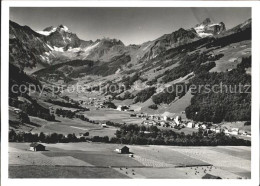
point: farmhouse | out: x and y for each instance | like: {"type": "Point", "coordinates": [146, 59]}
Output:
{"type": "Point", "coordinates": [225, 130]}
{"type": "Point", "coordinates": [37, 147]}
{"type": "Point", "coordinates": [165, 118]}
{"type": "Point", "coordinates": [122, 108]}
{"type": "Point", "coordinates": [197, 126]}
{"type": "Point", "coordinates": [119, 108]}
{"type": "Point", "coordinates": [218, 130]}
{"type": "Point", "coordinates": [123, 150]}
{"type": "Point", "coordinates": [104, 125]}
{"type": "Point", "coordinates": [234, 131]}
{"type": "Point", "coordinates": [203, 126]}
{"type": "Point", "coordinates": [190, 125]}
{"type": "Point", "coordinates": [177, 120]}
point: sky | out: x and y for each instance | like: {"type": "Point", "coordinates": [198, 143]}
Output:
{"type": "Point", "coordinates": [130, 25]}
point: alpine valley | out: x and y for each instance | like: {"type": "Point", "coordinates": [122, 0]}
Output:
{"type": "Point", "coordinates": [204, 54]}
{"type": "Point", "coordinates": [191, 87]}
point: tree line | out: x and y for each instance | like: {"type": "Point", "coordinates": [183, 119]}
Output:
{"type": "Point", "coordinates": [151, 135]}
{"type": "Point", "coordinates": [169, 94]}
{"type": "Point", "coordinates": [139, 135]}
{"type": "Point", "coordinates": [44, 138]}
{"type": "Point", "coordinates": [64, 104]}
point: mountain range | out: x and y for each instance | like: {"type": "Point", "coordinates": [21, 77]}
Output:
{"type": "Point", "coordinates": [206, 51]}
{"type": "Point", "coordinates": [58, 44]}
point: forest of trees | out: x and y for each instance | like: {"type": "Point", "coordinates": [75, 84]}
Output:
{"type": "Point", "coordinates": [65, 113]}
{"type": "Point", "coordinates": [226, 102]}
{"type": "Point", "coordinates": [109, 104]}
{"type": "Point", "coordinates": [191, 63]}
{"type": "Point", "coordinates": [32, 109]}
{"type": "Point", "coordinates": [64, 104]}
{"type": "Point", "coordinates": [153, 106]}
{"type": "Point", "coordinates": [144, 94]}
{"type": "Point", "coordinates": [169, 94]}
{"type": "Point", "coordinates": [134, 134]}
{"type": "Point", "coordinates": [128, 81]}
{"type": "Point", "coordinates": [44, 138]}
{"type": "Point", "coordinates": [73, 114]}
{"type": "Point", "coordinates": [127, 95]}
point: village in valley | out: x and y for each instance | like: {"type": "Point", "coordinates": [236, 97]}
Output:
{"type": "Point", "coordinates": [168, 120]}
{"type": "Point", "coordinates": [140, 158]}
{"type": "Point", "coordinates": [142, 112]}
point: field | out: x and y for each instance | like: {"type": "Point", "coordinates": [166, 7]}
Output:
{"type": "Point", "coordinates": [112, 115]}
{"type": "Point", "coordinates": [62, 126]}
{"type": "Point", "coordinates": [98, 160]}
{"type": "Point", "coordinates": [233, 53]}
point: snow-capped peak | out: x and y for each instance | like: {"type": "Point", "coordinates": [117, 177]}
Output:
{"type": "Point", "coordinates": [207, 28]}
{"type": "Point", "coordinates": [47, 31]}
{"type": "Point", "coordinates": [63, 28]}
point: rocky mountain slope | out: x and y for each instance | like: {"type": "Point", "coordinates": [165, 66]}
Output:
{"type": "Point", "coordinates": [185, 56]}
{"type": "Point", "coordinates": [58, 44]}
{"type": "Point", "coordinates": [207, 28]}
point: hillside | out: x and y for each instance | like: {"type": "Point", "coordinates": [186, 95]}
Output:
{"type": "Point", "coordinates": [208, 53]}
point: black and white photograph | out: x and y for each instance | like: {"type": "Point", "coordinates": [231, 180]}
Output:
{"type": "Point", "coordinates": [130, 92]}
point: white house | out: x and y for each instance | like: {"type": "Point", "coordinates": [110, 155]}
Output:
{"type": "Point", "coordinates": [203, 126]}
{"type": "Point", "coordinates": [190, 125]}
{"type": "Point", "coordinates": [197, 126]}
{"type": "Point", "coordinates": [165, 118]}
{"type": "Point", "coordinates": [226, 131]}
{"type": "Point", "coordinates": [104, 125]}
{"type": "Point", "coordinates": [234, 131]}
{"type": "Point", "coordinates": [177, 120]}
{"type": "Point", "coordinates": [119, 108]}
{"type": "Point", "coordinates": [218, 130]}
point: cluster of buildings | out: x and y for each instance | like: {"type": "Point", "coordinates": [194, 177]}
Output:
{"type": "Point", "coordinates": [178, 123]}
{"type": "Point", "coordinates": [157, 120]}
{"type": "Point", "coordinates": [98, 103]}
{"type": "Point", "coordinates": [124, 108]}
{"type": "Point", "coordinates": [236, 131]}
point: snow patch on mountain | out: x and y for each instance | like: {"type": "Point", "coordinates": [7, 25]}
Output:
{"type": "Point", "coordinates": [91, 47]}
{"type": "Point", "coordinates": [74, 49]}
{"type": "Point", "coordinates": [46, 33]}
{"type": "Point", "coordinates": [146, 47]}
{"type": "Point", "coordinates": [208, 29]}
{"type": "Point", "coordinates": [201, 31]}
{"type": "Point", "coordinates": [65, 28]}
{"type": "Point", "coordinates": [50, 47]}
{"type": "Point", "coordinates": [58, 49]}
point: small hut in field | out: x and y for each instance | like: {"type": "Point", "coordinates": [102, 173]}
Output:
{"type": "Point", "coordinates": [123, 150]}
{"type": "Point", "coordinates": [37, 147]}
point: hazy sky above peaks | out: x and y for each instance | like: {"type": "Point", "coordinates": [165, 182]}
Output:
{"type": "Point", "coordinates": [130, 25]}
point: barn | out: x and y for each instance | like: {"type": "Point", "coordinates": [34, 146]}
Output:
{"type": "Point", "coordinates": [37, 147]}
{"type": "Point", "coordinates": [123, 150]}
